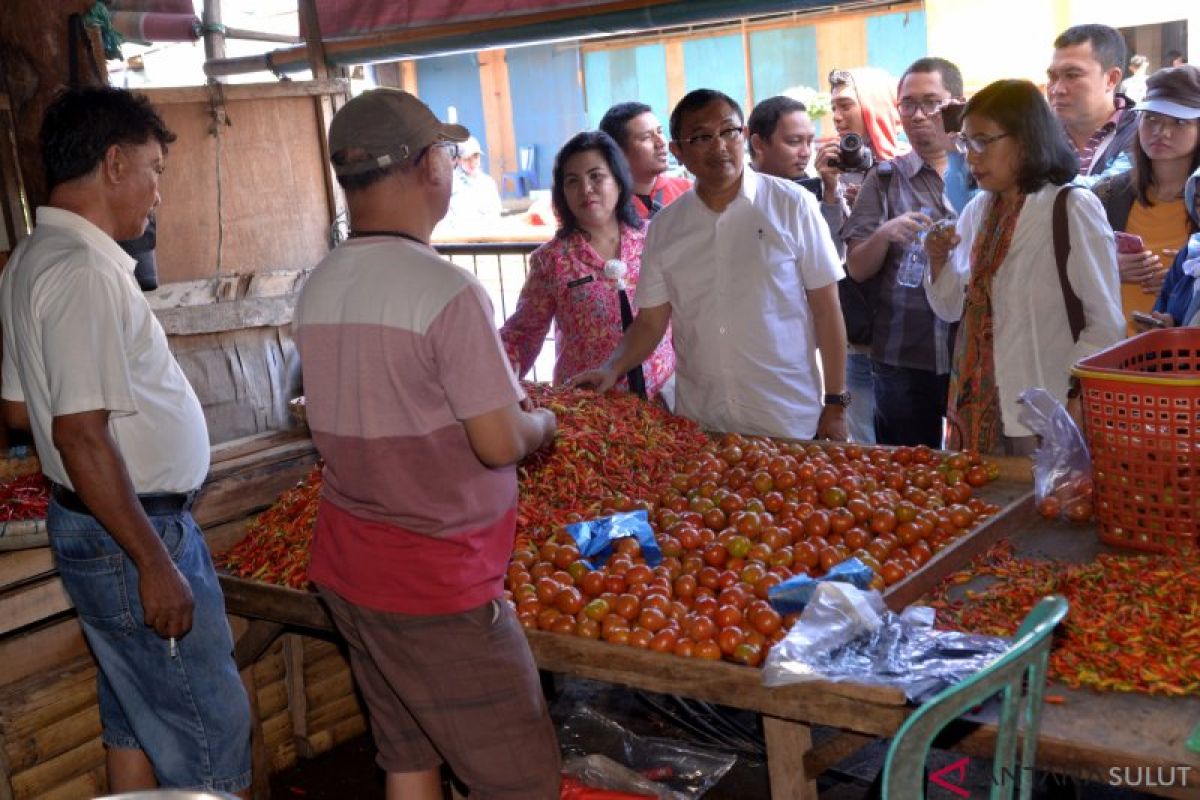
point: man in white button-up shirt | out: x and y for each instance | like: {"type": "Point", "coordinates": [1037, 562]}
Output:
{"type": "Point", "coordinates": [745, 269]}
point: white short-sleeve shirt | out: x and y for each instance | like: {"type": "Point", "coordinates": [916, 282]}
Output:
{"type": "Point", "coordinates": [743, 331]}
{"type": "Point", "coordinates": [80, 336]}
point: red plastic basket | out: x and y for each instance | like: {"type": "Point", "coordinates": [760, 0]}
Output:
{"type": "Point", "coordinates": [1141, 412]}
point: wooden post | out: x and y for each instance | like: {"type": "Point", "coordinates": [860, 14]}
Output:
{"type": "Point", "coordinates": [325, 105]}
{"type": "Point", "coordinates": [214, 36]}
{"type": "Point", "coordinates": [34, 62]}
{"type": "Point", "coordinates": [787, 744]}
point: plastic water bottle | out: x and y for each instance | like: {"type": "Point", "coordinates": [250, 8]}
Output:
{"type": "Point", "coordinates": [914, 260]}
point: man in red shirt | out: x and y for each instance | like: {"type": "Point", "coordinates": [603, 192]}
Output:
{"type": "Point", "coordinates": [418, 416]}
{"type": "Point", "coordinates": [640, 136]}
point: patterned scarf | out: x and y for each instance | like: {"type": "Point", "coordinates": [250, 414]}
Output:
{"type": "Point", "coordinates": [974, 407]}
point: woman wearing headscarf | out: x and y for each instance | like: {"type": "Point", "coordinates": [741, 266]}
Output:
{"type": "Point", "coordinates": [864, 103]}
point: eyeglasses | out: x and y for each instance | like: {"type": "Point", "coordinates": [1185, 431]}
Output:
{"type": "Point", "coordinates": [451, 149]}
{"type": "Point", "coordinates": [976, 144]}
{"type": "Point", "coordinates": [726, 135]}
{"type": "Point", "coordinates": [908, 107]}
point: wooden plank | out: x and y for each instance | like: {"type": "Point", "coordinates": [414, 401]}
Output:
{"type": "Point", "coordinates": [1016, 517]}
{"type": "Point", "coordinates": [787, 744]}
{"type": "Point", "coordinates": [234, 91]}
{"type": "Point", "coordinates": [293, 659]}
{"type": "Point", "coordinates": [497, 112]}
{"type": "Point", "coordinates": [259, 636]}
{"type": "Point", "coordinates": [248, 445]}
{"type": "Point", "coordinates": [323, 106]}
{"type": "Point", "coordinates": [676, 75]}
{"type": "Point", "coordinates": [32, 603]}
{"type": "Point", "coordinates": [250, 312]}
{"type": "Point", "coordinates": [260, 786]}
{"type": "Point", "coordinates": [232, 497]}
{"type": "Point", "coordinates": [22, 565]}
{"type": "Point", "coordinates": [32, 652]}
{"type": "Point", "coordinates": [43, 777]}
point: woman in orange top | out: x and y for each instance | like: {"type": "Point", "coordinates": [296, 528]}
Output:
{"type": "Point", "coordinates": [1148, 200]}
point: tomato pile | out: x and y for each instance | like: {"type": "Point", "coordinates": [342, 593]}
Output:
{"type": "Point", "coordinates": [733, 517]}
{"type": "Point", "coordinates": [1133, 625]}
{"type": "Point", "coordinates": [27, 497]}
{"type": "Point", "coordinates": [739, 517]}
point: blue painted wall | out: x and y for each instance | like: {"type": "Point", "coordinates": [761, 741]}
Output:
{"type": "Point", "coordinates": [716, 62]}
{"type": "Point", "coordinates": [448, 81]}
{"type": "Point", "coordinates": [783, 58]}
{"type": "Point", "coordinates": [546, 100]}
{"type": "Point", "coordinates": [896, 40]}
{"type": "Point", "coordinates": [619, 75]}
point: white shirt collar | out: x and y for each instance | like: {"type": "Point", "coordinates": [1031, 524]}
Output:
{"type": "Point", "coordinates": [61, 218]}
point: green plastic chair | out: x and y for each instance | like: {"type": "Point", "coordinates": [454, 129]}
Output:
{"type": "Point", "coordinates": [1020, 675]}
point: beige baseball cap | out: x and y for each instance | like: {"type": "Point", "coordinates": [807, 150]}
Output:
{"type": "Point", "coordinates": [388, 126]}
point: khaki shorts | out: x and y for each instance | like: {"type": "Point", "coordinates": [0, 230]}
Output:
{"type": "Point", "coordinates": [460, 688]}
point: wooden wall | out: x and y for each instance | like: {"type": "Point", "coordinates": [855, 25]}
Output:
{"type": "Point", "coordinates": [253, 197]}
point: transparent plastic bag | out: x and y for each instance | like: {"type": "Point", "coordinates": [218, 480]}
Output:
{"type": "Point", "coordinates": [675, 770]}
{"type": "Point", "coordinates": [1062, 466]}
{"type": "Point", "coordinates": [847, 634]}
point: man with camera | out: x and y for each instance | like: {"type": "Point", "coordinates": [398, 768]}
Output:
{"type": "Point", "coordinates": [899, 200]}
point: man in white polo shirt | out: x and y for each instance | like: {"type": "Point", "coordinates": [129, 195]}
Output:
{"type": "Point", "coordinates": [744, 269]}
{"type": "Point", "coordinates": [121, 435]}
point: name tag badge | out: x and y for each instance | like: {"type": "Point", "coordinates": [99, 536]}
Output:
{"type": "Point", "coordinates": [575, 284]}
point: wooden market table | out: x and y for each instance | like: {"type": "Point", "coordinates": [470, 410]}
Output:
{"type": "Point", "coordinates": [1087, 736]}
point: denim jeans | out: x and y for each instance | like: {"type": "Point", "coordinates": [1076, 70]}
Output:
{"type": "Point", "coordinates": [909, 405]}
{"type": "Point", "coordinates": [186, 709]}
{"type": "Point", "coordinates": [861, 414]}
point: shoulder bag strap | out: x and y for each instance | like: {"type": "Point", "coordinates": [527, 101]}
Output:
{"type": "Point", "coordinates": [1062, 250]}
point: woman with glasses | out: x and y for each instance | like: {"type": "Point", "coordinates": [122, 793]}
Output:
{"type": "Point", "coordinates": [1147, 202]}
{"type": "Point", "coordinates": [997, 272]}
{"type": "Point", "coordinates": [573, 279]}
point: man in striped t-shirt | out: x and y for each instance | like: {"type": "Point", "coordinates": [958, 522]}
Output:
{"type": "Point", "coordinates": [418, 416]}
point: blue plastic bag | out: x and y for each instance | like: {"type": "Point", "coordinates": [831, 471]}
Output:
{"type": "Point", "coordinates": [595, 538]}
{"type": "Point", "coordinates": [793, 594]}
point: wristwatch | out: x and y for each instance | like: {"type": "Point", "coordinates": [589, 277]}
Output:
{"type": "Point", "coordinates": [842, 399]}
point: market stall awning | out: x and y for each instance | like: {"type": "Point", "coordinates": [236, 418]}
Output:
{"type": "Point", "coordinates": [365, 31]}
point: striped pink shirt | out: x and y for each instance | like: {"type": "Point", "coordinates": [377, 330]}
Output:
{"type": "Point", "coordinates": [397, 348]}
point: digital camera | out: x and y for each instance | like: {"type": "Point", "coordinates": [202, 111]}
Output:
{"type": "Point", "coordinates": [853, 154]}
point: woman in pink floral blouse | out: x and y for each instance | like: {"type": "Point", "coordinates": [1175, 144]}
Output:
{"type": "Point", "coordinates": [567, 282]}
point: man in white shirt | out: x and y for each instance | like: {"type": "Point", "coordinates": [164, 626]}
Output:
{"type": "Point", "coordinates": [474, 196]}
{"type": "Point", "coordinates": [744, 269]}
{"type": "Point", "coordinates": [122, 437]}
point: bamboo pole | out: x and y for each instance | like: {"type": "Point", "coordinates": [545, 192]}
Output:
{"type": "Point", "coordinates": [47, 775]}
{"type": "Point", "coordinates": [320, 693]}
{"type": "Point", "coordinates": [277, 729]}
{"type": "Point", "coordinates": [89, 784]}
{"type": "Point", "coordinates": [326, 740]}
{"type": "Point", "coordinates": [214, 37]}
{"type": "Point", "coordinates": [23, 752]}
{"type": "Point", "coordinates": [283, 757]}
{"type": "Point", "coordinates": [334, 712]}
{"type": "Point", "coordinates": [272, 698]}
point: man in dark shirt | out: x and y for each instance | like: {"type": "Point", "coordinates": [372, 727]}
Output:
{"type": "Point", "coordinates": [910, 346]}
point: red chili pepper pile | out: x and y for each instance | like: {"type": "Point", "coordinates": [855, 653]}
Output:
{"type": "Point", "coordinates": [612, 453]}
{"type": "Point", "coordinates": [276, 546]}
{"type": "Point", "coordinates": [1134, 623]}
{"type": "Point", "coordinates": [27, 497]}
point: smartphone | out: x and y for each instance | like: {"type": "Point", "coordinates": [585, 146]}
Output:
{"type": "Point", "coordinates": [952, 114]}
{"type": "Point", "coordinates": [1147, 319]}
{"type": "Point", "coordinates": [1129, 242]}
